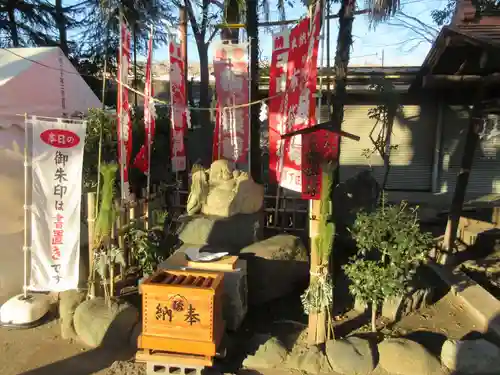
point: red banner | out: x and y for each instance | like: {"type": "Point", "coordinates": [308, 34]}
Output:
{"type": "Point", "coordinates": [124, 122]}
{"type": "Point", "coordinates": [231, 140]}
{"type": "Point", "coordinates": [277, 87]}
{"type": "Point", "coordinates": [291, 162]}
{"type": "Point", "coordinates": [295, 109]}
{"type": "Point", "coordinates": [179, 107]}
{"type": "Point", "coordinates": [143, 156]}
{"type": "Point", "coordinates": [321, 145]}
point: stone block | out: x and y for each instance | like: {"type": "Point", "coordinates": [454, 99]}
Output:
{"type": "Point", "coordinates": [276, 266]}
{"type": "Point", "coordinates": [231, 233]}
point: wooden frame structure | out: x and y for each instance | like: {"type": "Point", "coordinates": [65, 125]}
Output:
{"type": "Point", "coordinates": [464, 67]}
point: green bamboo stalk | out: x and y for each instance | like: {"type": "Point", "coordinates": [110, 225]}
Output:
{"type": "Point", "coordinates": [107, 213]}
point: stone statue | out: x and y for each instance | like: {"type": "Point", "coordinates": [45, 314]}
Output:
{"type": "Point", "coordinates": [199, 190]}
{"type": "Point", "coordinates": [223, 191]}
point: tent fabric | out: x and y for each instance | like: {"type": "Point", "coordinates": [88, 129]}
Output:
{"type": "Point", "coordinates": [33, 81]}
{"type": "Point", "coordinates": [43, 82]}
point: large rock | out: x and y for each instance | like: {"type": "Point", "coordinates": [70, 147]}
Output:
{"type": "Point", "coordinates": [269, 355]}
{"type": "Point", "coordinates": [232, 234]}
{"type": "Point", "coordinates": [311, 361]}
{"type": "Point", "coordinates": [98, 324]}
{"type": "Point", "coordinates": [134, 335]}
{"type": "Point", "coordinates": [395, 308]}
{"type": "Point", "coordinates": [351, 356]}
{"type": "Point", "coordinates": [470, 357]}
{"type": "Point", "coordinates": [235, 300]}
{"type": "Point", "coordinates": [68, 302]}
{"type": "Point", "coordinates": [275, 267]}
{"type": "Point", "coordinates": [405, 357]}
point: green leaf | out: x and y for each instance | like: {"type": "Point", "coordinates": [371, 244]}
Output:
{"type": "Point", "coordinates": [102, 266]}
{"type": "Point", "coordinates": [120, 258]}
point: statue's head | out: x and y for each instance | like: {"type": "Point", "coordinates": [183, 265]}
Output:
{"type": "Point", "coordinates": [220, 171]}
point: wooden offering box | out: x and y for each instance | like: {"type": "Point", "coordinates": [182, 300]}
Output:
{"type": "Point", "coordinates": [182, 312]}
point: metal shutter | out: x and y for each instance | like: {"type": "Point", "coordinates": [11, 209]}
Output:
{"type": "Point", "coordinates": [411, 163]}
{"type": "Point", "coordinates": [485, 175]}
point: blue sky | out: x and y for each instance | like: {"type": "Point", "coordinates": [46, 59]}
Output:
{"type": "Point", "coordinates": [393, 41]}
{"type": "Point", "coordinates": [388, 39]}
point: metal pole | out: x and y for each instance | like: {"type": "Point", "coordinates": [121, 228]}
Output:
{"type": "Point", "coordinates": [27, 210]}
{"type": "Point", "coordinates": [120, 110]}
{"type": "Point", "coordinates": [149, 140]}
{"type": "Point", "coordinates": [184, 49]}
{"type": "Point", "coordinates": [183, 18]}
{"type": "Point", "coordinates": [249, 106]}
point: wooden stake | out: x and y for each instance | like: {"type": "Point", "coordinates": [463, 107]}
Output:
{"type": "Point", "coordinates": [495, 216]}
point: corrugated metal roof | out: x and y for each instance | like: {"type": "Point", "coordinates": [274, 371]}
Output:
{"type": "Point", "coordinates": [487, 33]}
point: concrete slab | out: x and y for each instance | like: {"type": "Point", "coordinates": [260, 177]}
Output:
{"type": "Point", "coordinates": [480, 304]}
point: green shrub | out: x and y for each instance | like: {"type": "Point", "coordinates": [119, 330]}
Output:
{"type": "Point", "coordinates": [390, 248]}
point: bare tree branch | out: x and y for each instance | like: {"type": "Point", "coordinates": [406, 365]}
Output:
{"type": "Point", "coordinates": [212, 36]}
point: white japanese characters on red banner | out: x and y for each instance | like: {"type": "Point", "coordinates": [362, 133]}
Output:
{"type": "Point", "coordinates": [277, 87]}
{"type": "Point", "coordinates": [231, 135]}
{"type": "Point", "coordinates": [179, 107]}
{"type": "Point", "coordinates": [57, 160]}
{"type": "Point", "coordinates": [290, 151]}
{"type": "Point", "coordinates": [295, 60]}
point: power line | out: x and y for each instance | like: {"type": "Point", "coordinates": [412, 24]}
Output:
{"type": "Point", "coordinates": [141, 94]}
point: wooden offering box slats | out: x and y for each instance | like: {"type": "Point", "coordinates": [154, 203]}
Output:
{"type": "Point", "coordinates": [182, 312]}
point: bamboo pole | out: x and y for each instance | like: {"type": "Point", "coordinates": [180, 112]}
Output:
{"type": "Point", "coordinates": [145, 208]}
{"type": "Point", "coordinates": [120, 223]}
{"type": "Point", "coordinates": [317, 326]}
{"type": "Point", "coordinates": [91, 207]}
{"type": "Point", "coordinates": [129, 258]}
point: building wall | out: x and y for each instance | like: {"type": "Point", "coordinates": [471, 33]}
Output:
{"type": "Point", "coordinates": [485, 174]}
{"type": "Point", "coordinates": [413, 134]}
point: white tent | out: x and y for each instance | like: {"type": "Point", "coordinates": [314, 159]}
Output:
{"type": "Point", "coordinates": [33, 81]}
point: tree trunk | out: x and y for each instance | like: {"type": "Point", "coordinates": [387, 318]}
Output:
{"type": "Point", "coordinates": [342, 56]}
{"type": "Point", "coordinates": [14, 35]}
{"type": "Point", "coordinates": [135, 64]}
{"type": "Point", "coordinates": [391, 114]}
{"type": "Point", "coordinates": [204, 77]}
{"type": "Point", "coordinates": [253, 34]}
{"type": "Point", "coordinates": [60, 21]}
{"type": "Point", "coordinates": [204, 88]}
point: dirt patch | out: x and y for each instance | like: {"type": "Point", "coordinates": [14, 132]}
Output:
{"type": "Point", "coordinates": [41, 351]}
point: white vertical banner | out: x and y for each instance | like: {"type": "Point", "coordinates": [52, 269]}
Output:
{"type": "Point", "coordinates": [57, 163]}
